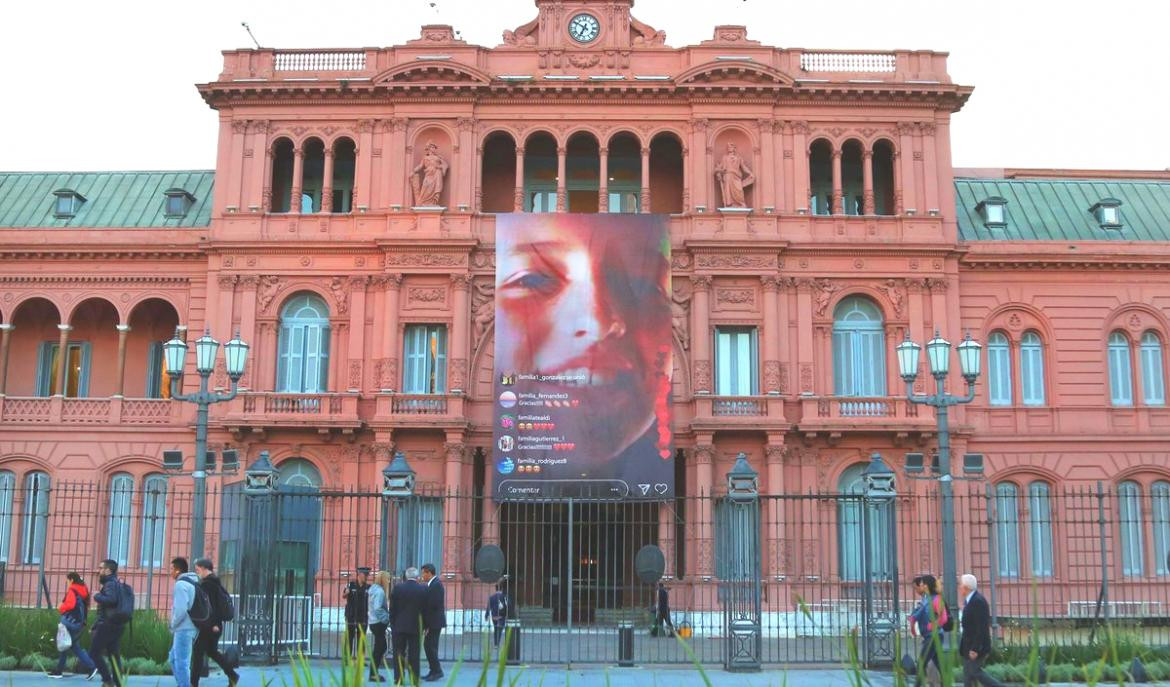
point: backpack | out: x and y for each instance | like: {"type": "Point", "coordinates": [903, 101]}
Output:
{"type": "Point", "coordinates": [124, 611]}
{"type": "Point", "coordinates": [225, 610]}
{"type": "Point", "coordinates": [200, 611]}
{"type": "Point", "coordinates": [949, 624]}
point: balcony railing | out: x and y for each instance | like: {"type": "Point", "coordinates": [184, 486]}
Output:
{"type": "Point", "coordinates": [418, 404]}
{"type": "Point", "coordinates": [847, 62]}
{"type": "Point", "coordinates": [88, 411]}
{"type": "Point", "coordinates": [845, 413]}
{"type": "Point", "coordinates": [743, 410]}
{"type": "Point", "coordinates": [259, 409]}
{"type": "Point", "coordinates": [420, 409]}
{"type": "Point", "coordinates": [739, 406]}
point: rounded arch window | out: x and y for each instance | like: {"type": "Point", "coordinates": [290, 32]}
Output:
{"type": "Point", "coordinates": [7, 494]}
{"type": "Point", "coordinates": [860, 533]}
{"type": "Point", "coordinates": [299, 472]}
{"type": "Point", "coordinates": [303, 362]}
{"type": "Point", "coordinates": [1120, 370]}
{"type": "Point", "coordinates": [1153, 371]}
{"type": "Point", "coordinates": [118, 537]}
{"type": "Point", "coordinates": [1032, 368]}
{"type": "Point", "coordinates": [859, 349]}
{"type": "Point", "coordinates": [999, 369]}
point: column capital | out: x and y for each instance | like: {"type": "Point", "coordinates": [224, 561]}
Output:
{"type": "Point", "coordinates": [394, 280]}
{"type": "Point", "coordinates": [460, 281]}
{"type": "Point", "coordinates": [774, 453]}
{"type": "Point", "coordinates": [646, 151]}
{"type": "Point", "coordinates": [562, 151]}
{"type": "Point", "coordinates": [701, 282]}
{"type": "Point", "coordinates": [704, 454]}
{"type": "Point", "coordinates": [771, 283]}
{"type": "Point", "coordinates": [603, 150]}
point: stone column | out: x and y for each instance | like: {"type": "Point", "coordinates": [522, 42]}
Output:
{"type": "Point", "coordinates": [248, 286]}
{"type": "Point", "coordinates": [603, 188]}
{"type": "Point", "coordinates": [398, 162]}
{"type": "Point", "coordinates": [294, 200]}
{"type": "Point", "coordinates": [266, 190]}
{"type": "Point", "coordinates": [700, 334]}
{"type": "Point", "coordinates": [467, 162]}
{"type": "Point", "coordinates": [904, 196]}
{"type": "Point", "coordinates": [897, 182]}
{"type": "Point", "coordinates": [457, 381]}
{"type": "Point", "coordinates": [388, 376]}
{"type": "Point", "coordinates": [453, 524]}
{"type": "Point", "coordinates": [327, 183]}
{"type": "Point", "coordinates": [929, 168]}
{"type": "Point", "coordinates": [562, 194]}
{"type": "Point", "coordinates": [357, 333]}
{"type": "Point", "coordinates": [5, 343]}
{"type": "Point", "coordinates": [773, 329]}
{"type": "Point", "coordinates": [704, 454]}
{"type": "Point", "coordinates": [804, 310]}
{"type": "Point", "coordinates": [800, 178]}
{"type": "Point", "coordinates": [766, 186]}
{"type": "Point", "coordinates": [62, 358]}
{"type": "Point", "coordinates": [867, 182]}
{"type": "Point", "coordinates": [645, 199]}
{"type": "Point", "coordinates": [518, 191]}
{"type": "Point", "coordinates": [699, 181]}
{"type": "Point", "coordinates": [687, 176]}
{"type": "Point", "coordinates": [838, 194]}
{"type": "Point", "coordinates": [120, 375]}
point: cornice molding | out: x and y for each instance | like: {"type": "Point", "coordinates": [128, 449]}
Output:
{"type": "Point", "coordinates": [85, 279]}
{"type": "Point", "coordinates": [46, 253]}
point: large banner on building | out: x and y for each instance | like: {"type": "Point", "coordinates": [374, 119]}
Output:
{"type": "Point", "coordinates": [583, 357]}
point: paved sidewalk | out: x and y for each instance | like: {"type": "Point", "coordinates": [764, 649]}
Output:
{"type": "Point", "coordinates": [534, 676]}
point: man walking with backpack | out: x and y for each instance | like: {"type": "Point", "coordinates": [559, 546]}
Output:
{"type": "Point", "coordinates": [189, 606]}
{"type": "Point", "coordinates": [115, 604]}
{"type": "Point", "coordinates": [222, 611]}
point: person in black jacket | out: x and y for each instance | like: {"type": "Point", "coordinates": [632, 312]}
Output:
{"type": "Point", "coordinates": [207, 642]}
{"type": "Point", "coordinates": [498, 607]}
{"type": "Point", "coordinates": [106, 637]}
{"type": "Point", "coordinates": [357, 610]}
{"type": "Point", "coordinates": [434, 620]}
{"type": "Point", "coordinates": [662, 612]}
{"type": "Point", "coordinates": [975, 642]}
{"type": "Point", "coordinates": [407, 600]}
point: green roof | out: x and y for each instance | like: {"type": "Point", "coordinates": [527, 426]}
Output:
{"type": "Point", "coordinates": [112, 199]}
{"type": "Point", "coordinates": [1058, 209]}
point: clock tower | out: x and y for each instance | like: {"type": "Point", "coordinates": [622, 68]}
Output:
{"type": "Point", "coordinates": [585, 25]}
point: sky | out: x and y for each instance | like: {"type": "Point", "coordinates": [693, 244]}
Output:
{"type": "Point", "coordinates": [110, 85]}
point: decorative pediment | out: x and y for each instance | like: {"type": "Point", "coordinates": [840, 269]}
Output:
{"type": "Point", "coordinates": [432, 72]}
{"type": "Point", "coordinates": [734, 73]}
{"type": "Point", "coordinates": [437, 34]}
{"type": "Point", "coordinates": [730, 34]}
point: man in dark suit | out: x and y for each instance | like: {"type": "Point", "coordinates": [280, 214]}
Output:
{"type": "Point", "coordinates": [434, 620]}
{"type": "Point", "coordinates": [662, 612]}
{"type": "Point", "coordinates": [407, 600]}
{"type": "Point", "coordinates": [975, 642]}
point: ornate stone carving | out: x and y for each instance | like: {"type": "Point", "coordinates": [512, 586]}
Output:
{"type": "Point", "coordinates": [426, 259]}
{"type": "Point", "coordinates": [355, 374]}
{"type": "Point", "coordinates": [458, 374]}
{"type": "Point", "coordinates": [733, 176]}
{"type": "Point", "coordinates": [523, 34]}
{"type": "Point", "coordinates": [735, 296]}
{"type": "Point", "coordinates": [701, 282]}
{"type": "Point", "coordinates": [644, 34]}
{"type": "Point", "coordinates": [426, 294]}
{"type": "Point", "coordinates": [825, 288]}
{"type": "Point", "coordinates": [774, 454]}
{"type": "Point", "coordinates": [680, 261]}
{"type": "Point", "coordinates": [387, 371]}
{"type": "Point", "coordinates": [772, 376]}
{"type": "Point", "coordinates": [680, 310]}
{"type": "Point", "coordinates": [806, 378]}
{"type": "Point", "coordinates": [784, 378]}
{"type": "Point", "coordinates": [340, 289]}
{"type": "Point", "coordinates": [702, 376]}
{"type": "Point", "coordinates": [455, 451]}
{"type": "Point", "coordinates": [239, 126]}
{"type": "Point", "coordinates": [703, 454]}
{"type": "Point", "coordinates": [735, 261]}
{"type": "Point", "coordinates": [426, 179]}
{"type": "Point", "coordinates": [365, 126]}
{"type": "Point", "coordinates": [483, 310]}
{"type": "Point", "coordinates": [584, 60]}
{"type": "Point", "coordinates": [894, 292]}
{"type": "Point", "coordinates": [800, 127]}
{"type": "Point", "coordinates": [227, 282]}
{"type": "Point", "coordinates": [460, 280]}
{"type": "Point", "coordinates": [771, 283]}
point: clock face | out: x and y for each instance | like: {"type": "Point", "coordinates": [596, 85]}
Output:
{"type": "Point", "coordinates": [584, 28]}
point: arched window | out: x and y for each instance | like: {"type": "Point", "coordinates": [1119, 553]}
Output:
{"type": "Point", "coordinates": [999, 370]}
{"type": "Point", "coordinates": [862, 535]}
{"type": "Point", "coordinates": [154, 521]}
{"type": "Point", "coordinates": [312, 176]}
{"type": "Point", "coordinates": [583, 172]}
{"type": "Point", "coordinates": [882, 165]}
{"type": "Point", "coordinates": [1120, 370]}
{"type": "Point", "coordinates": [666, 174]}
{"type": "Point", "coordinates": [1153, 375]}
{"type": "Point", "coordinates": [859, 349]}
{"type": "Point", "coordinates": [497, 181]}
{"type": "Point", "coordinates": [1040, 530]}
{"type": "Point", "coordinates": [1160, 496]}
{"type": "Point", "coordinates": [1032, 369]}
{"type": "Point", "coordinates": [540, 173]}
{"type": "Point", "coordinates": [1007, 529]}
{"type": "Point", "coordinates": [118, 537]}
{"type": "Point", "coordinates": [852, 178]}
{"type": "Point", "coordinates": [282, 176]}
{"type": "Point", "coordinates": [820, 177]}
{"type": "Point", "coordinates": [344, 164]}
{"type": "Point", "coordinates": [298, 472]}
{"type": "Point", "coordinates": [623, 175]}
{"type": "Point", "coordinates": [7, 494]}
{"type": "Point", "coordinates": [303, 366]}
{"type": "Point", "coordinates": [36, 517]}
{"type": "Point", "coordinates": [1129, 503]}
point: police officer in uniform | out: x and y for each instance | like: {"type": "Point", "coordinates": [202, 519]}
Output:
{"type": "Point", "coordinates": [357, 610]}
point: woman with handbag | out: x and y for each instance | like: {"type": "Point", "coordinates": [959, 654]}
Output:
{"type": "Point", "coordinates": [379, 614]}
{"type": "Point", "coordinates": [73, 610]}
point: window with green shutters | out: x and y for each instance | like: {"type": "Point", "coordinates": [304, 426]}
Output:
{"type": "Point", "coordinates": [425, 356]}
{"type": "Point", "coordinates": [303, 363]}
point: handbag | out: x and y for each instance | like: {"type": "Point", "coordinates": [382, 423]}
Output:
{"type": "Point", "coordinates": [64, 639]}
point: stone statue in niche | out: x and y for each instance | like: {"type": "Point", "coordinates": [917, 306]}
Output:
{"type": "Point", "coordinates": [426, 181]}
{"type": "Point", "coordinates": [733, 175]}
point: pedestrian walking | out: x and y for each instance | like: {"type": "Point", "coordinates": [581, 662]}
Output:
{"type": "Point", "coordinates": [975, 640]}
{"type": "Point", "coordinates": [357, 611]}
{"type": "Point", "coordinates": [188, 604]}
{"type": "Point", "coordinates": [662, 611]}
{"type": "Point", "coordinates": [434, 620]}
{"type": "Point", "coordinates": [207, 641]}
{"type": "Point", "coordinates": [497, 611]}
{"type": "Point", "coordinates": [928, 621]}
{"type": "Point", "coordinates": [379, 616]}
{"type": "Point", "coordinates": [115, 606]}
{"type": "Point", "coordinates": [407, 600]}
{"type": "Point", "coordinates": [74, 609]}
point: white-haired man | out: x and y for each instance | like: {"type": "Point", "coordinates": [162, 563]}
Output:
{"type": "Point", "coordinates": [975, 642]}
{"type": "Point", "coordinates": [407, 600]}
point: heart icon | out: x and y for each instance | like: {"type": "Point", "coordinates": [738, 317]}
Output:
{"type": "Point", "coordinates": [661, 488]}
{"type": "Point", "coordinates": [576, 402]}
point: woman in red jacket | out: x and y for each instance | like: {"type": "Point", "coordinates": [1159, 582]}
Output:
{"type": "Point", "coordinates": [73, 610]}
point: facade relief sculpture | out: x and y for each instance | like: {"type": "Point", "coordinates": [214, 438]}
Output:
{"type": "Point", "coordinates": [426, 179]}
{"type": "Point", "coordinates": [734, 175]}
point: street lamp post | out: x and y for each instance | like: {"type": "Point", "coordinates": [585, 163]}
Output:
{"type": "Point", "coordinates": [938, 351]}
{"type": "Point", "coordinates": [397, 485]}
{"type": "Point", "coordinates": [235, 353]}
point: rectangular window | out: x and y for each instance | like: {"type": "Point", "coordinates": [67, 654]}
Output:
{"type": "Point", "coordinates": [737, 532]}
{"type": "Point", "coordinates": [425, 371]}
{"type": "Point", "coordinates": [1161, 511]}
{"type": "Point", "coordinates": [1153, 377]}
{"type": "Point", "coordinates": [624, 201]}
{"type": "Point", "coordinates": [154, 521]}
{"type": "Point", "coordinates": [859, 363]}
{"type": "Point", "coordinates": [118, 540]}
{"type": "Point", "coordinates": [1032, 371]}
{"type": "Point", "coordinates": [420, 533]}
{"type": "Point", "coordinates": [76, 369]}
{"type": "Point", "coordinates": [1120, 381]}
{"type": "Point", "coordinates": [36, 517]}
{"type": "Point", "coordinates": [735, 361]}
{"type": "Point", "coordinates": [1040, 531]}
{"type": "Point", "coordinates": [1007, 531]}
{"type": "Point", "coordinates": [7, 494]}
{"type": "Point", "coordinates": [542, 201]}
{"type": "Point", "coordinates": [1132, 541]}
{"type": "Point", "coordinates": [158, 382]}
{"type": "Point", "coordinates": [999, 373]}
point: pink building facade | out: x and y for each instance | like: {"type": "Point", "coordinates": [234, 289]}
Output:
{"type": "Point", "coordinates": [370, 317]}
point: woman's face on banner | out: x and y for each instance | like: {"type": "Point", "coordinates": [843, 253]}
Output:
{"type": "Point", "coordinates": [587, 305]}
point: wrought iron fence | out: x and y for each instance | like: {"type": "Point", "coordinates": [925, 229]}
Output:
{"type": "Point", "coordinates": [797, 573]}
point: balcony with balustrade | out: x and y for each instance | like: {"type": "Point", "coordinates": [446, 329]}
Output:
{"type": "Point", "coordinates": [421, 410]}
{"type": "Point", "coordinates": [729, 412]}
{"type": "Point", "coordinates": [93, 412]}
{"type": "Point", "coordinates": [832, 416]}
{"type": "Point", "coordinates": [324, 412]}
